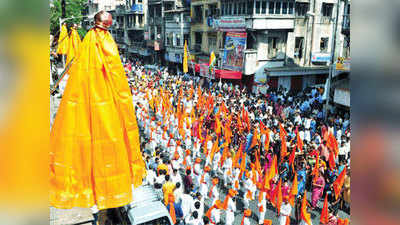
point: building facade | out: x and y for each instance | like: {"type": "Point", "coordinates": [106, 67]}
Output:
{"type": "Point", "coordinates": [177, 31]}
{"type": "Point", "coordinates": [204, 38]}
{"type": "Point", "coordinates": [289, 42]}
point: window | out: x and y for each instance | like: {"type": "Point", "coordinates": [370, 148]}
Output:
{"type": "Point", "coordinates": [301, 8]}
{"type": "Point", "coordinates": [258, 3]}
{"type": "Point", "coordinates": [140, 1]}
{"type": "Point", "coordinates": [198, 14]}
{"type": "Point", "coordinates": [272, 47]}
{"type": "Point", "coordinates": [277, 7]}
{"type": "Point", "coordinates": [198, 37]}
{"type": "Point", "coordinates": [212, 43]}
{"type": "Point", "coordinates": [178, 40]}
{"type": "Point", "coordinates": [323, 45]}
{"type": "Point", "coordinates": [212, 9]}
{"type": "Point", "coordinates": [187, 39]}
{"type": "Point", "coordinates": [140, 20]}
{"type": "Point", "coordinates": [327, 9]}
{"type": "Point", "coordinates": [284, 7]}
{"type": "Point", "coordinates": [235, 9]}
{"type": "Point", "coordinates": [264, 7]}
{"type": "Point", "coordinates": [271, 7]}
{"type": "Point", "coordinates": [229, 9]}
{"type": "Point", "coordinates": [250, 6]}
{"type": "Point", "coordinates": [243, 8]}
{"type": "Point", "coordinates": [298, 47]}
{"type": "Point", "coordinates": [290, 6]}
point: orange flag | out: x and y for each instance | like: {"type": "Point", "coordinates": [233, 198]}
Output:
{"type": "Point", "coordinates": [258, 165]}
{"type": "Point", "coordinates": [343, 221]}
{"type": "Point", "coordinates": [303, 213]}
{"type": "Point", "coordinates": [324, 219]}
{"type": "Point", "coordinates": [172, 208]}
{"type": "Point", "coordinates": [267, 222]}
{"type": "Point", "coordinates": [293, 190]}
{"type": "Point", "coordinates": [332, 163]}
{"type": "Point", "coordinates": [315, 171]}
{"type": "Point", "coordinates": [238, 154]}
{"type": "Point", "coordinates": [283, 134]}
{"type": "Point", "coordinates": [332, 144]}
{"type": "Point", "coordinates": [242, 165]}
{"type": "Point", "coordinates": [254, 140]}
{"type": "Point", "coordinates": [299, 141]}
{"type": "Point", "coordinates": [279, 196]}
{"type": "Point", "coordinates": [271, 173]}
{"type": "Point", "coordinates": [266, 144]}
{"type": "Point", "coordinates": [338, 183]}
{"type": "Point", "coordinates": [292, 156]}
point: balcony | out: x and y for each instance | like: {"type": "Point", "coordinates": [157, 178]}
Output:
{"type": "Point", "coordinates": [346, 24]}
{"type": "Point", "coordinates": [135, 9]}
{"type": "Point", "coordinates": [266, 22]}
{"type": "Point", "coordinates": [197, 47]}
{"type": "Point", "coordinates": [135, 26]}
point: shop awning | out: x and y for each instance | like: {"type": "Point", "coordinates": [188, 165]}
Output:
{"type": "Point", "coordinates": [223, 74]}
{"type": "Point", "coordinates": [296, 71]}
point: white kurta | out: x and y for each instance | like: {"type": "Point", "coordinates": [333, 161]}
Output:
{"type": "Point", "coordinates": [285, 211]}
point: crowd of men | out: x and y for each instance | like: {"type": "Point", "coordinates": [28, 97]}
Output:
{"type": "Point", "coordinates": [214, 151]}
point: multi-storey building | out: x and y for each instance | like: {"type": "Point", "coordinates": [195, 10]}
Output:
{"type": "Point", "coordinates": [287, 41]}
{"type": "Point", "coordinates": [154, 34]}
{"type": "Point", "coordinates": [177, 31]}
{"type": "Point", "coordinates": [204, 37]}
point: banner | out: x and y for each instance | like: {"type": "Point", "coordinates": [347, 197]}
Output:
{"type": "Point", "coordinates": [235, 44]}
{"type": "Point", "coordinates": [230, 24]}
{"type": "Point", "coordinates": [205, 72]}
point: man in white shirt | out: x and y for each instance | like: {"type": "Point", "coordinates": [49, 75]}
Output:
{"type": "Point", "coordinates": [186, 204]}
{"type": "Point", "coordinates": [285, 211]}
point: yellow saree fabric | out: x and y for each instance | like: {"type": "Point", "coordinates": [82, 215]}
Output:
{"type": "Point", "coordinates": [73, 45]}
{"type": "Point", "coordinates": [94, 142]}
{"type": "Point", "coordinates": [63, 41]}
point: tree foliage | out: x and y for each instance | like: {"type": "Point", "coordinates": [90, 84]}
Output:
{"type": "Point", "coordinates": [73, 8]}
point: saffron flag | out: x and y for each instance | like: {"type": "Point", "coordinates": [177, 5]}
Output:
{"type": "Point", "coordinates": [324, 219]}
{"type": "Point", "coordinates": [279, 196]}
{"type": "Point", "coordinates": [338, 183]}
{"type": "Point", "coordinates": [293, 191]}
{"type": "Point", "coordinates": [299, 141]}
{"type": "Point", "coordinates": [303, 212]}
{"type": "Point", "coordinates": [185, 59]}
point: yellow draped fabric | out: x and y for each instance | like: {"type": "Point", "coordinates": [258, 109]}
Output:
{"type": "Point", "coordinates": [73, 45]}
{"type": "Point", "coordinates": [63, 41]}
{"type": "Point", "coordinates": [94, 142]}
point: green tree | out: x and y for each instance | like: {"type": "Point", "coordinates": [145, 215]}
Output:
{"type": "Point", "coordinates": [73, 8]}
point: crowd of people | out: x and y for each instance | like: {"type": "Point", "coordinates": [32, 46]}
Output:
{"type": "Point", "coordinates": [219, 154]}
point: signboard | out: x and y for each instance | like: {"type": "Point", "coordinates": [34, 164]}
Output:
{"type": "Point", "coordinates": [235, 44]}
{"type": "Point", "coordinates": [137, 8]}
{"type": "Point", "coordinates": [342, 96]}
{"type": "Point", "coordinates": [343, 64]}
{"type": "Point", "coordinates": [320, 57]}
{"type": "Point", "coordinates": [230, 24]}
{"type": "Point", "coordinates": [205, 72]}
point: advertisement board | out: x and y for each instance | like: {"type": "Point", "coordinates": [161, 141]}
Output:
{"type": "Point", "coordinates": [235, 44]}
{"type": "Point", "coordinates": [230, 24]}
